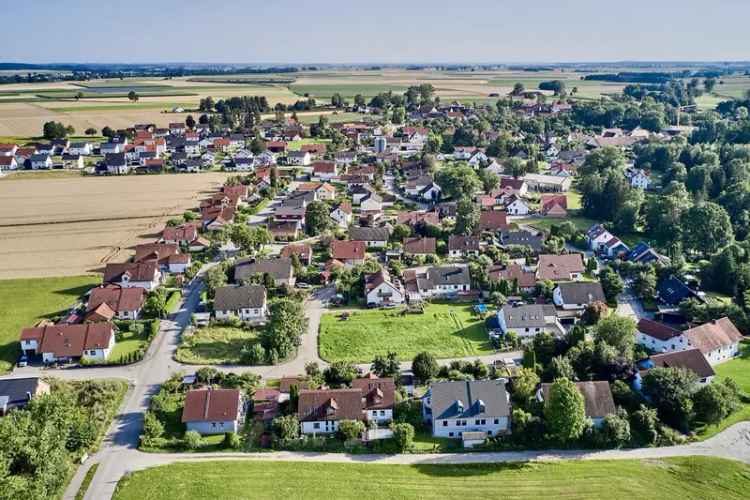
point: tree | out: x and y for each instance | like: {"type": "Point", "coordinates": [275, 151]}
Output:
{"type": "Point", "coordinates": [560, 367]}
{"type": "Point", "coordinates": [190, 122]}
{"type": "Point", "coordinates": [340, 374]}
{"type": "Point", "coordinates": [90, 131]}
{"type": "Point", "coordinates": [286, 427]}
{"type": "Point", "coordinates": [594, 312]}
{"type": "Point", "coordinates": [564, 411]}
{"type": "Point", "coordinates": [133, 96]}
{"type": "Point", "coordinates": [192, 440]}
{"type": "Point", "coordinates": [715, 401]}
{"type": "Point", "coordinates": [351, 429]}
{"type": "Point", "coordinates": [670, 390]}
{"type": "Point", "coordinates": [645, 424]}
{"type": "Point", "coordinates": [386, 366]}
{"type": "Point", "coordinates": [54, 130]}
{"type": "Point", "coordinates": [108, 132]}
{"type": "Point", "coordinates": [516, 167]}
{"type": "Point", "coordinates": [403, 436]}
{"type": "Point", "coordinates": [518, 89]}
{"type": "Point", "coordinates": [283, 333]}
{"type": "Point", "coordinates": [706, 228]}
{"type": "Point", "coordinates": [216, 277]}
{"type": "Point", "coordinates": [458, 182]}
{"type": "Point", "coordinates": [336, 100]}
{"type": "Point", "coordinates": [156, 303]}
{"type": "Point", "coordinates": [644, 283]}
{"type": "Point", "coordinates": [709, 84]}
{"type": "Point", "coordinates": [424, 366]}
{"type": "Point", "coordinates": [152, 427]}
{"type": "Point", "coordinates": [400, 231]}
{"type": "Point", "coordinates": [232, 440]}
{"type": "Point", "coordinates": [612, 284]}
{"type": "Point", "coordinates": [618, 332]}
{"type": "Point", "coordinates": [257, 146]}
{"type": "Point", "coordinates": [489, 179]}
{"type": "Point", "coordinates": [524, 386]}
{"type": "Point", "coordinates": [616, 429]}
{"type": "Point", "coordinates": [467, 216]}
{"type": "Point", "coordinates": [317, 218]}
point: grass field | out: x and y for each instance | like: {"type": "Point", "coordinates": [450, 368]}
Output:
{"type": "Point", "coordinates": [129, 342]}
{"type": "Point", "coordinates": [684, 478]}
{"type": "Point", "coordinates": [25, 301]}
{"type": "Point", "coordinates": [215, 345]}
{"type": "Point", "coordinates": [446, 330]}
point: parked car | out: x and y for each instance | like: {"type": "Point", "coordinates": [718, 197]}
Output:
{"type": "Point", "coordinates": [23, 360]}
{"type": "Point", "coordinates": [303, 286]}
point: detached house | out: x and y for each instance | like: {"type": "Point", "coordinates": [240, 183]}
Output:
{"type": "Point", "coordinates": [324, 170]}
{"type": "Point", "coordinates": [116, 164]}
{"type": "Point", "coordinates": [443, 281]}
{"type": "Point", "coordinates": [463, 246]}
{"type": "Point", "coordinates": [321, 412]}
{"type": "Point", "coordinates": [213, 411]}
{"type": "Point", "coordinates": [514, 274]}
{"type": "Point", "coordinates": [597, 397]}
{"type": "Point", "coordinates": [300, 158]}
{"type": "Point", "coordinates": [378, 395]}
{"type": "Point", "coordinates": [90, 342]}
{"type": "Point", "coordinates": [15, 393]}
{"type": "Point", "coordinates": [41, 162]}
{"type": "Point", "coordinates": [248, 303]}
{"type": "Point", "coordinates": [420, 246]}
{"type": "Point", "coordinates": [371, 236]}
{"type": "Point", "coordinates": [112, 301]}
{"type": "Point", "coordinates": [493, 220]}
{"type": "Point", "coordinates": [568, 267]}
{"type": "Point", "coordinates": [718, 340]}
{"type": "Point", "coordinates": [456, 408]}
{"type": "Point", "coordinates": [381, 289]}
{"type": "Point", "coordinates": [577, 295]}
{"type": "Point", "coordinates": [134, 275]}
{"type": "Point", "coordinates": [281, 270]}
{"type": "Point", "coordinates": [342, 214]}
{"type": "Point", "coordinates": [350, 253]}
{"type": "Point", "coordinates": [525, 321]}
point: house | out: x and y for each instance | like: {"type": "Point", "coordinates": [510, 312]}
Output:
{"type": "Point", "coordinates": [177, 128]}
{"type": "Point", "coordinates": [167, 255]}
{"type": "Point", "coordinates": [314, 149]}
{"type": "Point", "coordinates": [455, 408]}
{"type": "Point", "coordinates": [116, 163]}
{"type": "Point", "coordinates": [323, 190]}
{"type": "Point", "coordinates": [107, 302]}
{"type": "Point", "coordinates": [381, 289]}
{"type": "Point", "coordinates": [511, 185]}
{"type": "Point", "coordinates": [689, 359]}
{"type": "Point", "coordinates": [73, 161]}
{"type": "Point", "coordinates": [90, 341]}
{"type": "Point", "coordinates": [378, 396]}
{"type": "Point", "coordinates": [478, 159]}
{"type": "Point", "coordinates": [439, 281]}
{"type": "Point", "coordinates": [281, 270]}
{"type": "Point", "coordinates": [351, 253]}
{"type": "Point", "coordinates": [577, 295]}
{"type": "Point", "coordinates": [371, 203]}
{"type": "Point", "coordinates": [248, 303]}
{"type": "Point", "coordinates": [342, 214]}
{"type": "Point", "coordinates": [514, 274]}
{"type": "Point", "coordinates": [15, 393]}
{"type": "Point", "coordinates": [560, 267]}
{"type": "Point", "coordinates": [597, 238]}
{"type": "Point", "coordinates": [493, 220]}
{"type": "Point", "coordinates": [554, 205]}
{"type": "Point", "coordinates": [284, 231]}
{"type": "Point", "coordinates": [360, 192]}
{"type": "Point", "coordinates": [133, 275]}
{"type": "Point", "coordinates": [324, 170]}
{"type": "Point", "coordinates": [8, 149]}
{"type": "Point", "coordinates": [213, 411]}
{"type": "Point", "coordinates": [371, 236]}
{"type": "Point", "coordinates": [659, 337]}
{"type": "Point", "coordinates": [672, 291]}
{"type": "Point", "coordinates": [718, 340]}
{"type": "Point", "coordinates": [418, 217]}
{"type": "Point", "coordinates": [638, 178]}
{"type": "Point", "coordinates": [303, 252]}
{"type": "Point", "coordinates": [80, 148]}
{"type": "Point", "coordinates": [535, 241]}
{"type": "Point", "coordinates": [8, 163]}
{"type": "Point", "coordinates": [642, 253]}
{"type": "Point", "coordinates": [321, 411]}
{"type": "Point", "coordinates": [597, 398]}
{"type": "Point", "coordinates": [299, 158]}
{"type": "Point", "coordinates": [41, 162]}
{"type": "Point", "coordinates": [415, 185]}
{"type": "Point", "coordinates": [548, 183]}
{"type": "Point", "coordinates": [182, 235]}
{"type": "Point", "coordinates": [525, 321]}
{"type": "Point", "coordinates": [111, 148]}
{"type": "Point", "coordinates": [345, 158]}
{"type": "Point", "coordinates": [516, 206]}
{"type": "Point", "coordinates": [463, 246]}
{"type": "Point", "coordinates": [420, 246]}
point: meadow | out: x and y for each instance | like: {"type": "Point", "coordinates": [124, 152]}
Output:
{"type": "Point", "coordinates": [685, 478]}
{"type": "Point", "coordinates": [445, 330]}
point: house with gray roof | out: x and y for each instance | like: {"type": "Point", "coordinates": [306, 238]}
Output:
{"type": "Point", "coordinates": [526, 321]}
{"type": "Point", "coordinates": [247, 303]}
{"type": "Point", "coordinates": [281, 270]}
{"type": "Point", "coordinates": [455, 408]}
{"type": "Point", "coordinates": [521, 237]}
{"type": "Point", "coordinates": [437, 281]}
{"type": "Point", "coordinates": [372, 236]}
{"type": "Point", "coordinates": [577, 295]}
{"type": "Point", "coordinates": [17, 392]}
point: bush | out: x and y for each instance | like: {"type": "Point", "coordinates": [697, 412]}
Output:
{"type": "Point", "coordinates": [254, 355]}
{"type": "Point", "coordinates": [192, 440]}
{"type": "Point", "coordinates": [403, 436]}
{"type": "Point", "coordinates": [645, 424]}
{"type": "Point", "coordinates": [286, 427]}
{"type": "Point", "coordinates": [232, 440]}
{"type": "Point", "coordinates": [409, 411]}
{"type": "Point", "coordinates": [152, 427]}
{"type": "Point", "coordinates": [351, 429]}
{"type": "Point", "coordinates": [615, 430]}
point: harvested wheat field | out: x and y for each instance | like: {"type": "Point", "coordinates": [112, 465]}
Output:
{"type": "Point", "coordinates": [73, 226]}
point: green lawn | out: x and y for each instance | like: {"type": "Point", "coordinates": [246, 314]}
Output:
{"type": "Point", "coordinates": [215, 345]}
{"type": "Point", "coordinates": [684, 478]}
{"type": "Point", "coordinates": [296, 145]}
{"type": "Point", "coordinates": [334, 118]}
{"type": "Point", "coordinates": [25, 301]}
{"type": "Point", "coordinates": [128, 342]}
{"type": "Point", "coordinates": [544, 223]}
{"type": "Point", "coordinates": [368, 333]}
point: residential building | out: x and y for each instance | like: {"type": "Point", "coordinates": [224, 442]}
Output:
{"type": "Point", "coordinates": [659, 337]}
{"type": "Point", "coordinates": [689, 359]}
{"type": "Point", "coordinates": [15, 393]}
{"type": "Point", "coordinates": [321, 411]}
{"type": "Point", "coordinates": [597, 397]}
{"type": "Point", "coordinates": [521, 237]}
{"type": "Point", "coordinates": [515, 205]}
{"type": "Point", "coordinates": [303, 252]}
{"type": "Point", "coordinates": [560, 267]}
{"type": "Point", "coordinates": [350, 253]}
{"type": "Point", "coordinates": [453, 408]}
{"type": "Point", "coordinates": [672, 291]}
{"type": "Point", "coordinates": [248, 303]}
{"type": "Point", "coordinates": [41, 162]}
{"type": "Point", "coordinates": [381, 289]}
{"type": "Point", "coordinates": [493, 220]}
{"type": "Point", "coordinates": [515, 274]}
{"type": "Point", "coordinates": [420, 246]}
{"type": "Point", "coordinates": [437, 281]}
{"type": "Point", "coordinates": [718, 340]}
{"type": "Point", "coordinates": [300, 158]}
{"type": "Point", "coordinates": [107, 302]}
{"type": "Point", "coordinates": [463, 246]}
{"type": "Point", "coordinates": [371, 236]}
{"type": "Point", "coordinates": [213, 411]}
{"type": "Point", "coordinates": [378, 395]}
{"type": "Point", "coordinates": [91, 342]}
{"type": "Point", "coordinates": [577, 295]}
{"type": "Point", "coordinates": [134, 274]}
{"type": "Point", "coordinates": [525, 321]}
{"type": "Point", "coordinates": [342, 214]}
{"type": "Point", "coordinates": [281, 270]}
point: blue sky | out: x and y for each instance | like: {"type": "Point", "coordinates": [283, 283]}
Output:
{"type": "Point", "coordinates": [387, 31]}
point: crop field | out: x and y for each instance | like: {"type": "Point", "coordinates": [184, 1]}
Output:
{"type": "Point", "coordinates": [73, 226]}
{"type": "Point", "coordinates": [686, 478]}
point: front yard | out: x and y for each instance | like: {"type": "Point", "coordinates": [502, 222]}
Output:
{"type": "Point", "coordinates": [445, 330]}
{"type": "Point", "coordinates": [215, 345]}
{"type": "Point", "coordinates": [132, 345]}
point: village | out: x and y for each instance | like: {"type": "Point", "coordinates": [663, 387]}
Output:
{"type": "Point", "coordinates": [436, 277]}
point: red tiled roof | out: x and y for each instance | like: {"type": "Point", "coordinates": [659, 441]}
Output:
{"type": "Point", "coordinates": [348, 250]}
{"type": "Point", "coordinates": [211, 405]}
{"type": "Point", "coordinates": [493, 220]}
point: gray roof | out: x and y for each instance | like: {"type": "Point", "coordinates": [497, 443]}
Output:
{"type": "Point", "coordinates": [527, 316]}
{"type": "Point", "coordinates": [279, 269]}
{"type": "Point", "coordinates": [233, 298]}
{"type": "Point", "coordinates": [449, 275]}
{"type": "Point", "coordinates": [15, 390]}
{"type": "Point", "coordinates": [477, 398]}
{"type": "Point", "coordinates": [581, 292]}
{"type": "Point", "coordinates": [357, 233]}
{"type": "Point", "coordinates": [40, 157]}
{"type": "Point", "coordinates": [521, 237]}
{"type": "Point", "coordinates": [597, 397]}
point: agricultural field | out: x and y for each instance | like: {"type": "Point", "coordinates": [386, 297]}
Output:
{"type": "Point", "coordinates": [73, 226]}
{"type": "Point", "coordinates": [687, 478]}
{"type": "Point", "coordinates": [23, 302]}
{"type": "Point", "coordinates": [445, 330]}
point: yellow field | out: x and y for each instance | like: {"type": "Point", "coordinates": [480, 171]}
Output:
{"type": "Point", "coordinates": [73, 226]}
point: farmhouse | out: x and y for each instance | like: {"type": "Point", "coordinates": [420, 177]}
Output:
{"type": "Point", "coordinates": [248, 303]}
{"type": "Point", "coordinates": [213, 411]}
{"type": "Point", "coordinates": [455, 408]}
{"type": "Point", "coordinates": [718, 340]}
{"type": "Point", "coordinates": [60, 343]}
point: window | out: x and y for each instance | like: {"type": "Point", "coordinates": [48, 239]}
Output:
{"type": "Point", "coordinates": [382, 413]}
{"type": "Point", "coordinates": [450, 434]}
{"type": "Point", "coordinates": [497, 421]}
{"type": "Point", "coordinates": [316, 425]}
{"type": "Point", "coordinates": [445, 423]}
{"type": "Point", "coordinates": [477, 422]}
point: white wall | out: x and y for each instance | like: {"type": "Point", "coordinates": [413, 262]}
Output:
{"type": "Point", "coordinates": [493, 425]}
{"type": "Point", "coordinates": [323, 427]}
{"type": "Point", "coordinates": [207, 428]}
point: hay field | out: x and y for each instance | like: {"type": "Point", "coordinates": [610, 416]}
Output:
{"type": "Point", "coordinates": [73, 226]}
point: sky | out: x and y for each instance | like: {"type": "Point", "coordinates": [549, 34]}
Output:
{"type": "Point", "coordinates": [381, 31]}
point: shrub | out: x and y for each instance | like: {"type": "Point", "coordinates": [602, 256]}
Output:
{"type": "Point", "coordinates": [615, 430]}
{"type": "Point", "coordinates": [232, 440]}
{"type": "Point", "coordinates": [152, 427]}
{"type": "Point", "coordinates": [253, 355]}
{"type": "Point", "coordinates": [286, 427]}
{"type": "Point", "coordinates": [403, 436]}
{"type": "Point", "coordinates": [409, 411]}
{"type": "Point", "coordinates": [192, 440]}
{"type": "Point", "coordinates": [351, 429]}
